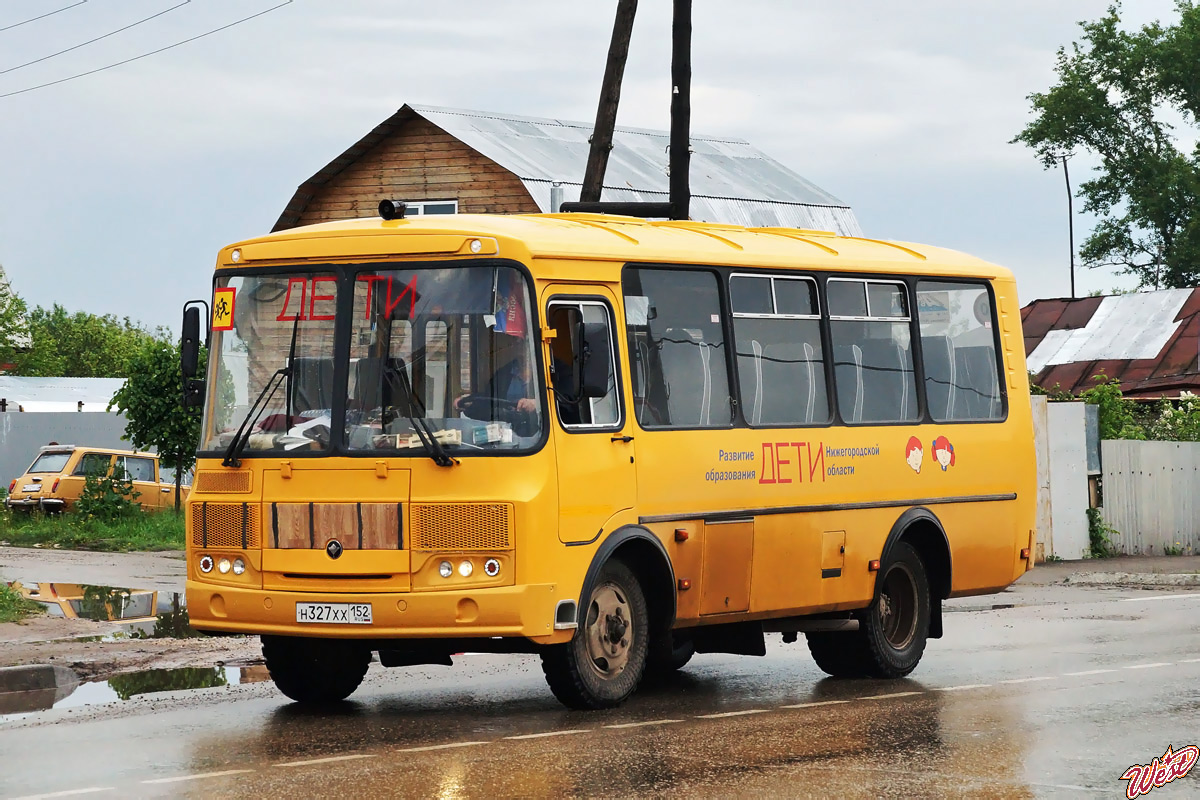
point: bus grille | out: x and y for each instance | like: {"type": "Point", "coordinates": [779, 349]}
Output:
{"type": "Point", "coordinates": [222, 525]}
{"type": "Point", "coordinates": [222, 482]}
{"type": "Point", "coordinates": [460, 526]}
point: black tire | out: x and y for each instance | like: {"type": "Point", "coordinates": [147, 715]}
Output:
{"type": "Point", "coordinates": [842, 655]}
{"type": "Point", "coordinates": [893, 629]}
{"type": "Point", "coordinates": [668, 653]}
{"type": "Point", "coordinates": [315, 670]}
{"type": "Point", "coordinates": [896, 626]}
{"type": "Point", "coordinates": [604, 662]}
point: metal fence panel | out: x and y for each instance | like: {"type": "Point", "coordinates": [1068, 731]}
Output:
{"type": "Point", "coordinates": [1150, 495]}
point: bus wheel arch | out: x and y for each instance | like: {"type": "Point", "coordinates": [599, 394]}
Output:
{"type": "Point", "coordinates": [923, 531]}
{"type": "Point", "coordinates": [644, 554]}
{"type": "Point", "coordinates": [630, 576]}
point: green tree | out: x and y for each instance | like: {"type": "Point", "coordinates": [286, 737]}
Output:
{"type": "Point", "coordinates": [151, 401]}
{"type": "Point", "coordinates": [81, 345]}
{"type": "Point", "coordinates": [13, 330]}
{"type": "Point", "coordinates": [1115, 91]}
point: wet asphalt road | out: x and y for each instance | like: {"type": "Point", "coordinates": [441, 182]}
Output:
{"type": "Point", "coordinates": [1055, 696]}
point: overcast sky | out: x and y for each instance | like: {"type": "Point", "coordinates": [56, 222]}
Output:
{"type": "Point", "coordinates": [117, 189]}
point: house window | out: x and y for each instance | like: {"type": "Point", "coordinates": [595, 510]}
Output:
{"type": "Point", "coordinates": [417, 208]}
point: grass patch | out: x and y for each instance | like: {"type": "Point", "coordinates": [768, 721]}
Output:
{"type": "Point", "coordinates": [138, 531]}
{"type": "Point", "coordinates": [13, 607]}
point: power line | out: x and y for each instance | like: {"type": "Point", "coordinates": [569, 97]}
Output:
{"type": "Point", "coordinates": [98, 38]}
{"type": "Point", "coordinates": [147, 55]}
{"type": "Point", "coordinates": [43, 16]}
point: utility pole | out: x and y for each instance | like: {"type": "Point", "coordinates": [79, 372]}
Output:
{"type": "Point", "coordinates": [681, 109]}
{"type": "Point", "coordinates": [1070, 222]}
{"type": "Point", "coordinates": [610, 98]}
{"type": "Point", "coordinates": [679, 161]}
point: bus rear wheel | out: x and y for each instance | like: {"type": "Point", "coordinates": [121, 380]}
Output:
{"type": "Point", "coordinates": [315, 671]}
{"type": "Point", "coordinates": [892, 631]}
{"type": "Point", "coordinates": [841, 655]}
{"type": "Point", "coordinates": [668, 654]}
{"type": "Point", "coordinates": [603, 663]}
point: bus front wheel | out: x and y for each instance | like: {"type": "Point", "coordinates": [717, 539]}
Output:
{"type": "Point", "coordinates": [603, 663]}
{"type": "Point", "coordinates": [315, 670]}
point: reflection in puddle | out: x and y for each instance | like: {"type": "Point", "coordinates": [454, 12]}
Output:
{"type": "Point", "coordinates": [140, 613]}
{"type": "Point", "coordinates": [126, 686]}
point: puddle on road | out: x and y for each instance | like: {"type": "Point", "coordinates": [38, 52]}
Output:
{"type": "Point", "coordinates": [66, 694]}
{"type": "Point", "coordinates": [139, 613]}
{"type": "Point", "coordinates": [126, 614]}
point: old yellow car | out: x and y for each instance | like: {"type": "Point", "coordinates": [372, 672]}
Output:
{"type": "Point", "coordinates": [55, 479]}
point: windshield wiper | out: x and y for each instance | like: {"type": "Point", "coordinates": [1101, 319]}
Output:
{"type": "Point", "coordinates": [238, 444]}
{"type": "Point", "coordinates": [428, 439]}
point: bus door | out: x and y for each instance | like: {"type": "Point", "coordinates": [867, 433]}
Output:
{"type": "Point", "coordinates": [593, 436]}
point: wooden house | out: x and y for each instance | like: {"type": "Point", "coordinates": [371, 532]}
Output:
{"type": "Point", "coordinates": [441, 160]}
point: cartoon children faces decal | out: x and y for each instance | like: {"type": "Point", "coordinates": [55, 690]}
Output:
{"type": "Point", "coordinates": [913, 454]}
{"type": "Point", "coordinates": [943, 451]}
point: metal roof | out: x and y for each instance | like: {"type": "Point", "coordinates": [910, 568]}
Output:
{"type": "Point", "coordinates": [731, 181]}
{"type": "Point", "coordinates": [1147, 340]}
{"type": "Point", "coordinates": [58, 394]}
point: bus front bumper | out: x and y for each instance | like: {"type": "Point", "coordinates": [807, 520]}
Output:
{"type": "Point", "coordinates": [526, 610]}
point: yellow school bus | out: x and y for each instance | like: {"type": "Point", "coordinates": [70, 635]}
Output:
{"type": "Point", "coordinates": [610, 441]}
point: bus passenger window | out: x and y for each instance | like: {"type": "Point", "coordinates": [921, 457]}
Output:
{"type": "Point", "coordinates": [958, 347]}
{"type": "Point", "coordinates": [677, 349]}
{"type": "Point", "coordinates": [872, 357]}
{"type": "Point", "coordinates": [781, 365]}
{"type": "Point", "coordinates": [577, 407]}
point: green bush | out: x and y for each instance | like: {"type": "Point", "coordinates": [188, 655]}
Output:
{"type": "Point", "coordinates": [108, 498]}
{"type": "Point", "coordinates": [1117, 418]}
{"type": "Point", "coordinates": [1100, 544]}
{"type": "Point", "coordinates": [1177, 422]}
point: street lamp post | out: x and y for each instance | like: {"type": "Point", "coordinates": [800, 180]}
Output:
{"type": "Point", "coordinates": [1070, 222]}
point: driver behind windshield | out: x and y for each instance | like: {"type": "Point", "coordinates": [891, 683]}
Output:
{"type": "Point", "coordinates": [510, 394]}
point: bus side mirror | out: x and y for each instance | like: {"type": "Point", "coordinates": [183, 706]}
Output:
{"type": "Point", "coordinates": [594, 359]}
{"type": "Point", "coordinates": [189, 346]}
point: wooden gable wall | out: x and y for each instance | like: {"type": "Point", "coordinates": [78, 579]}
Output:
{"type": "Point", "coordinates": [419, 162]}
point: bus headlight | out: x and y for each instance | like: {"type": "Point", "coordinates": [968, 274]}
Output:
{"type": "Point", "coordinates": [466, 568]}
{"type": "Point", "coordinates": [206, 564]}
{"type": "Point", "coordinates": [223, 566]}
{"type": "Point", "coordinates": [445, 569]}
{"type": "Point", "coordinates": [239, 566]}
{"type": "Point", "coordinates": [491, 567]}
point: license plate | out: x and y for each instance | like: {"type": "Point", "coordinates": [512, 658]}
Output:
{"type": "Point", "coordinates": [30, 487]}
{"type": "Point", "coordinates": [334, 613]}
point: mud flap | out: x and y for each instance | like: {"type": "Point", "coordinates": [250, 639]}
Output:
{"type": "Point", "coordinates": [935, 617]}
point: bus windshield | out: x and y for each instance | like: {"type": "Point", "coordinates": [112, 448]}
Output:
{"type": "Point", "coordinates": [447, 352]}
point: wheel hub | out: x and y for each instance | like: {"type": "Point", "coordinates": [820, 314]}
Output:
{"type": "Point", "coordinates": [898, 607]}
{"type": "Point", "coordinates": [607, 634]}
